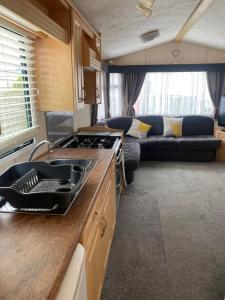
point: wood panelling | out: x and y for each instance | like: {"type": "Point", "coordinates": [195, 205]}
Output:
{"type": "Point", "coordinates": [92, 83]}
{"type": "Point", "coordinates": [24, 11]}
{"type": "Point", "coordinates": [220, 154]}
{"type": "Point", "coordinates": [99, 242]}
{"type": "Point", "coordinates": [54, 75]}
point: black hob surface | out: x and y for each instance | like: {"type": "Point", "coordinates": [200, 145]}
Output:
{"type": "Point", "coordinates": [91, 142]}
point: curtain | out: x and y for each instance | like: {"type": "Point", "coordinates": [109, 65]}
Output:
{"type": "Point", "coordinates": [216, 88]}
{"type": "Point", "coordinates": [132, 85]}
{"type": "Point", "coordinates": [174, 93]}
{"type": "Point", "coordinates": [106, 88]}
{"type": "Point", "coordinates": [116, 95]}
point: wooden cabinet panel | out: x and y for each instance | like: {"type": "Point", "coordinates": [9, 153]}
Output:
{"type": "Point", "coordinates": [94, 267]}
{"type": "Point", "coordinates": [220, 154]}
{"type": "Point", "coordinates": [60, 71]}
{"type": "Point", "coordinates": [54, 75]}
{"type": "Point", "coordinates": [92, 82]}
{"type": "Point", "coordinates": [98, 246]}
{"type": "Point", "coordinates": [96, 212]}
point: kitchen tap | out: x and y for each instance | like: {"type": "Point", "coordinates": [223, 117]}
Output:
{"type": "Point", "coordinates": [50, 147]}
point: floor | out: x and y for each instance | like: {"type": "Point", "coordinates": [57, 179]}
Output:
{"type": "Point", "coordinates": [170, 236]}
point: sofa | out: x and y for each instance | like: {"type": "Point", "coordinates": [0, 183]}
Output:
{"type": "Point", "coordinates": [196, 144]}
{"type": "Point", "coordinates": [132, 158]}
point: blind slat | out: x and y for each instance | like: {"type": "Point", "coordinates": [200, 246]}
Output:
{"type": "Point", "coordinates": [8, 64]}
{"type": "Point", "coordinates": [26, 111]}
{"type": "Point", "coordinates": [15, 36]}
{"type": "Point", "coordinates": [14, 57]}
{"type": "Point", "coordinates": [19, 96]}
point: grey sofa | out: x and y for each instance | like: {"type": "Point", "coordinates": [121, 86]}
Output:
{"type": "Point", "coordinates": [197, 143]}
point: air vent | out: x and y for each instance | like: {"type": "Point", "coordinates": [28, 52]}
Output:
{"type": "Point", "coordinates": [149, 36]}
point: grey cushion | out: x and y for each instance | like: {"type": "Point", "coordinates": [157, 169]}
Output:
{"type": "Point", "coordinates": [124, 123]}
{"type": "Point", "coordinates": [129, 140]}
{"type": "Point", "coordinates": [159, 142]}
{"type": "Point", "coordinates": [198, 143]}
{"type": "Point", "coordinates": [198, 125]}
{"type": "Point", "coordinates": [155, 142]}
{"type": "Point", "coordinates": [132, 156]}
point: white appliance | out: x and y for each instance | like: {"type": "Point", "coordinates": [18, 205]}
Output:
{"type": "Point", "coordinates": [74, 286]}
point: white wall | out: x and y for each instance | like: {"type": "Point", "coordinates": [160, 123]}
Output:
{"type": "Point", "coordinates": [23, 155]}
{"type": "Point", "coordinates": [82, 117]}
{"type": "Point", "coordinates": [189, 54]}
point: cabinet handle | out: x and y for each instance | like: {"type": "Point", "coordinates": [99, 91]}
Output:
{"type": "Point", "coordinates": [104, 227]}
{"type": "Point", "coordinates": [95, 217]}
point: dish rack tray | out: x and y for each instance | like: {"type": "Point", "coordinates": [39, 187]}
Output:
{"type": "Point", "coordinates": [40, 187]}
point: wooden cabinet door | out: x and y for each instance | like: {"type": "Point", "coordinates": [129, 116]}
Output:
{"type": "Point", "coordinates": [79, 89]}
{"type": "Point", "coordinates": [220, 154]}
{"type": "Point", "coordinates": [99, 247]}
{"type": "Point", "coordinates": [107, 225]}
{"type": "Point", "coordinates": [94, 267]}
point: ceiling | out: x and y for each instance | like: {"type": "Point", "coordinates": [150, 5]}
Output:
{"type": "Point", "coordinates": [121, 24]}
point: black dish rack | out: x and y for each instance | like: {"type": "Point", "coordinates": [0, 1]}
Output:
{"type": "Point", "coordinates": [38, 187]}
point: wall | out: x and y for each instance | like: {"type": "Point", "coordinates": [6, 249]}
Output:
{"type": "Point", "coordinates": [82, 117]}
{"type": "Point", "coordinates": [23, 154]}
{"type": "Point", "coordinates": [189, 54]}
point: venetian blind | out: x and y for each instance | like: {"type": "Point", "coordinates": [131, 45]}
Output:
{"type": "Point", "coordinates": [18, 89]}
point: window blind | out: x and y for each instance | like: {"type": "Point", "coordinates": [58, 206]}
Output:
{"type": "Point", "coordinates": [18, 89]}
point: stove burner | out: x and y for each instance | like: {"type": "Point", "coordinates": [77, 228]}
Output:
{"type": "Point", "coordinates": [91, 142]}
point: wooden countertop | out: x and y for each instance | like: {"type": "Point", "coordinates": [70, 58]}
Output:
{"type": "Point", "coordinates": [35, 250]}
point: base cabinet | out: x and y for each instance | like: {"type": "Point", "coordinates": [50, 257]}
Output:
{"type": "Point", "coordinates": [220, 153]}
{"type": "Point", "coordinates": [98, 233]}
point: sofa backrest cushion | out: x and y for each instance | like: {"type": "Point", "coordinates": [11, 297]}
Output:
{"type": "Point", "coordinates": [198, 125]}
{"type": "Point", "coordinates": [192, 125]}
{"type": "Point", "coordinates": [124, 123]}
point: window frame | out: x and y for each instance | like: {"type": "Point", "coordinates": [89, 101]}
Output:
{"type": "Point", "coordinates": [30, 106]}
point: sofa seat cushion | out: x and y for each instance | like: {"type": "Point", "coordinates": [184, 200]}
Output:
{"type": "Point", "coordinates": [155, 142]}
{"type": "Point", "coordinates": [132, 155]}
{"type": "Point", "coordinates": [198, 142]}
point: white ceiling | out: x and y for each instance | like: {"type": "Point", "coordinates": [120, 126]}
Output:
{"type": "Point", "coordinates": [120, 35]}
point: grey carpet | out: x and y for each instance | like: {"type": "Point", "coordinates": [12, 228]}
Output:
{"type": "Point", "coordinates": [169, 241]}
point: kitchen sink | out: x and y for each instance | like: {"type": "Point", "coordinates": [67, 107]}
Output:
{"type": "Point", "coordinates": [86, 163]}
{"type": "Point", "coordinates": [43, 187]}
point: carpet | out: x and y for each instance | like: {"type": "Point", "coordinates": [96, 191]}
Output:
{"type": "Point", "coordinates": [169, 241]}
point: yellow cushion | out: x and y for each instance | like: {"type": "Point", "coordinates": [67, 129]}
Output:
{"type": "Point", "coordinates": [172, 126]}
{"type": "Point", "coordinates": [139, 129]}
{"type": "Point", "coordinates": [176, 129]}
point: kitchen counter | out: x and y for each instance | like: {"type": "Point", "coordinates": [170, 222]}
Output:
{"type": "Point", "coordinates": [35, 250]}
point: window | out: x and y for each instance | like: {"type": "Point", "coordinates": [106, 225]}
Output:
{"type": "Point", "coordinates": [101, 106]}
{"type": "Point", "coordinates": [174, 94]}
{"type": "Point", "coordinates": [18, 89]}
{"type": "Point", "coordinates": [115, 95]}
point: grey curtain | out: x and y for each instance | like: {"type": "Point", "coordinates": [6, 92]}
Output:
{"type": "Point", "coordinates": [216, 89]}
{"type": "Point", "coordinates": [106, 87]}
{"type": "Point", "coordinates": [132, 85]}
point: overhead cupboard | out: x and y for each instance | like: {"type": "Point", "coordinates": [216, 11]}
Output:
{"type": "Point", "coordinates": [67, 52]}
